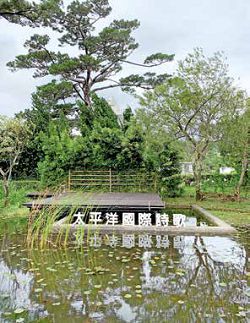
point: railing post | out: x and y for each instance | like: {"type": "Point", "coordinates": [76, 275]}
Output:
{"type": "Point", "coordinates": [110, 180]}
{"type": "Point", "coordinates": [69, 180]}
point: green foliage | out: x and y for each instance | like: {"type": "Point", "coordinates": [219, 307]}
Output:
{"type": "Point", "coordinates": [106, 144]}
{"type": "Point", "coordinates": [14, 134]}
{"type": "Point", "coordinates": [29, 13]}
{"type": "Point", "coordinates": [169, 171]}
{"type": "Point", "coordinates": [131, 154]}
{"type": "Point", "coordinates": [100, 114]}
{"type": "Point", "coordinates": [49, 103]}
{"type": "Point", "coordinates": [219, 182]}
{"type": "Point", "coordinates": [59, 149]}
{"type": "Point", "coordinates": [127, 115]}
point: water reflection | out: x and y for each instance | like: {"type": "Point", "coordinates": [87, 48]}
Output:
{"type": "Point", "coordinates": [128, 278]}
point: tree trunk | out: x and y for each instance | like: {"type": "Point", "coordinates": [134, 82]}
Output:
{"type": "Point", "coordinates": [197, 168]}
{"type": "Point", "coordinates": [244, 166]}
{"type": "Point", "coordinates": [6, 191]}
{"type": "Point", "coordinates": [87, 99]}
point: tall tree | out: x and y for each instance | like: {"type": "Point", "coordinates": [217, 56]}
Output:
{"type": "Point", "coordinates": [194, 103]}
{"type": "Point", "coordinates": [100, 54]}
{"type": "Point", "coordinates": [14, 134]}
{"type": "Point", "coordinates": [235, 144]}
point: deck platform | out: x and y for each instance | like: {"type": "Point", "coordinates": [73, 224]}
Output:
{"type": "Point", "coordinates": [115, 201]}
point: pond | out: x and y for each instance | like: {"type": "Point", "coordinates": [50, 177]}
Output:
{"type": "Point", "coordinates": [124, 278]}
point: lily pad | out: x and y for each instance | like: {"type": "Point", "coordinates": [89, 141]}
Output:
{"type": "Point", "coordinates": [180, 302]}
{"type": "Point", "coordinates": [40, 280]}
{"type": "Point", "coordinates": [56, 304]}
{"type": "Point", "coordinates": [222, 284]}
{"type": "Point", "coordinates": [127, 296]}
{"type": "Point", "coordinates": [98, 303]}
{"type": "Point", "coordinates": [51, 269]}
{"type": "Point", "coordinates": [97, 286]}
{"type": "Point", "coordinates": [19, 310]}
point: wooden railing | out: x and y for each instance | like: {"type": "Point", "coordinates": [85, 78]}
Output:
{"type": "Point", "coordinates": [109, 180]}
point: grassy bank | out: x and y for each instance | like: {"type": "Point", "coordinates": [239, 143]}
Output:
{"type": "Point", "coordinates": [234, 212]}
{"type": "Point", "coordinates": [18, 192]}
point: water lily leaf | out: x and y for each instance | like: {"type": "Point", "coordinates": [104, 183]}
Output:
{"type": "Point", "coordinates": [97, 286]}
{"type": "Point", "coordinates": [19, 310]}
{"type": "Point", "coordinates": [179, 273]}
{"type": "Point", "coordinates": [40, 280]}
{"type": "Point", "coordinates": [127, 296]}
{"type": "Point", "coordinates": [242, 314]}
{"type": "Point", "coordinates": [7, 313]}
{"type": "Point", "coordinates": [222, 284]}
{"type": "Point", "coordinates": [51, 269]}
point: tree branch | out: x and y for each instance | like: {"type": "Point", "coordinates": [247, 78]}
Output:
{"type": "Point", "coordinates": [143, 65]}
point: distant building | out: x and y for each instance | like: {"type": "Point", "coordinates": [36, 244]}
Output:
{"type": "Point", "coordinates": [226, 170]}
{"type": "Point", "coordinates": [187, 168]}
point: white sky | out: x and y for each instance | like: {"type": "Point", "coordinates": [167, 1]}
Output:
{"type": "Point", "coordinates": [168, 26]}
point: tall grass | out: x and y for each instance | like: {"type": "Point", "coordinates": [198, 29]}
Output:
{"type": "Point", "coordinates": [43, 230]}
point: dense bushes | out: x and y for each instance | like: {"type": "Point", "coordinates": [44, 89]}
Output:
{"type": "Point", "coordinates": [95, 139]}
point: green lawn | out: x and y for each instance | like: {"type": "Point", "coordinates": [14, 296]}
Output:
{"type": "Point", "coordinates": [233, 212]}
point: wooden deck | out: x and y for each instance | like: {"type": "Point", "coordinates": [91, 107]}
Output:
{"type": "Point", "coordinates": [118, 201]}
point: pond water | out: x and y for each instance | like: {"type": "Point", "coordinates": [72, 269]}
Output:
{"type": "Point", "coordinates": [127, 278]}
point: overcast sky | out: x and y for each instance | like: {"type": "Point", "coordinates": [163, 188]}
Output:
{"type": "Point", "coordinates": [169, 26]}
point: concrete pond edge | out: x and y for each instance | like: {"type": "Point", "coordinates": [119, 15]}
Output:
{"type": "Point", "coordinates": [219, 227]}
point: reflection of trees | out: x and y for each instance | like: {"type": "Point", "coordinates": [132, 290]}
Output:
{"type": "Point", "coordinates": [15, 284]}
{"type": "Point", "coordinates": [197, 285]}
{"type": "Point", "coordinates": [204, 261]}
